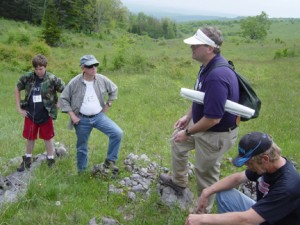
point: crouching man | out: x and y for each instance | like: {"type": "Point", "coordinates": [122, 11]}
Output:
{"type": "Point", "coordinates": [278, 192]}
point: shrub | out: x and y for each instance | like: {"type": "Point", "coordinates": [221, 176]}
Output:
{"type": "Point", "coordinates": [118, 62]}
{"type": "Point", "coordinates": [19, 37]}
{"type": "Point", "coordinates": [104, 61]}
{"type": "Point", "coordinates": [138, 62]}
{"type": "Point", "coordinates": [279, 41]}
{"type": "Point", "coordinates": [41, 48]}
{"type": "Point", "coordinates": [284, 53]}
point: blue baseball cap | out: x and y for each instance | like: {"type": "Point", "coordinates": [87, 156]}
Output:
{"type": "Point", "coordinates": [250, 145]}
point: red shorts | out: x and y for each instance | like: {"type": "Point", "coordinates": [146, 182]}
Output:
{"type": "Point", "coordinates": [31, 129]}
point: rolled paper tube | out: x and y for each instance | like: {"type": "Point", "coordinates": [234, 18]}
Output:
{"type": "Point", "coordinates": [230, 106]}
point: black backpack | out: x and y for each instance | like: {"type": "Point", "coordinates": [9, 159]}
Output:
{"type": "Point", "coordinates": [248, 97]}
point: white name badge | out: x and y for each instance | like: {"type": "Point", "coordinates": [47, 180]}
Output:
{"type": "Point", "coordinates": [37, 98]}
{"type": "Point", "coordinates": [91, 98]}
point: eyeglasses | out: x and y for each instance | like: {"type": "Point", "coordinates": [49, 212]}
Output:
{"type": "Point", "coordinates": [91, 66]}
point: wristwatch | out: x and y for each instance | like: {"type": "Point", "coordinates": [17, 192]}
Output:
{"type": "Point", "coordinates": [187, 133]}
{"type": "Point", "coordinates": [108, 104]}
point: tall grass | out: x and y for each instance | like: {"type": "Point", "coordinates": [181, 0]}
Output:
{"type": "Point", "coordinates": [149, 80]}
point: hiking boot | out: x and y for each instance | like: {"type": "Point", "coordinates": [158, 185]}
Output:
{"type": "Point", "coordinates": [25, 164]}
{"type": "Point", "coordinates": [50, 162]}
{"type": "Point", "coordinates": [109, 164]}
{"type": "Point", "coordinates": [167, 181]}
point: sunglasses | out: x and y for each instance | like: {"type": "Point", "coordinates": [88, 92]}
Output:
{"type": "Point", "coordinates": [91, 66]}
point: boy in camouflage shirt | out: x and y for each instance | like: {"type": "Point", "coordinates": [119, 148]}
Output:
{"type": "Point", "coordinates": [39, 108]}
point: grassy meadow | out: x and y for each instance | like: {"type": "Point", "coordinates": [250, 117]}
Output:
{"type": "Point", "coordinates": [149, 74]}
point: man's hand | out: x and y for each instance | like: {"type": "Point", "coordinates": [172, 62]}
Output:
{"type": "Point", "coordinates": [105, 109]}
{"type": "Point", "coordinates": [202, 203]}
{"type": "Point", "coordinates": [180, 136]}
{"type": "Point", "coordinates": [22, 112]}
{"type": "Point", "coordinates": [75, 119]}
{"type": "Point", "coordinates": [182, 123]}
{"type": "Point", "coordinates": [193, 219]}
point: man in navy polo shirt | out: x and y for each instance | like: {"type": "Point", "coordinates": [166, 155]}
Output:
{"type": "Point", "coordinates": [207, 128]}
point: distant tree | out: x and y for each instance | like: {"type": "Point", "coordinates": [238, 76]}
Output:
{"type": "Point", "coordinates": [51, 32]}
{"type": "Point", "coordinates": [89, 17]}
{"type": "Point", "coordinates": [256, 27]}
{"type": "Point", "coordinates": [138, 23]}
{"type": "Point", "coordinates": [155, 28]}
{"type": "Point", "coordinates": [78, 15]}
{"type": "Point", "coordinates": [169, 28]}
{"type": "Point", "coordinates": [23, 10]}
{"type": "Point", "coordinates": [110, 14]}
{"type": "Point", "coordinates": [36, 10]}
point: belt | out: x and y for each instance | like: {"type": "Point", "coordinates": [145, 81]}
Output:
{"type": "Point", "coordinates": [226, 130]}
{"type": "Point", "coordinates": [86, 116]}
{"type": "Point", "coordinates": [232, 128]}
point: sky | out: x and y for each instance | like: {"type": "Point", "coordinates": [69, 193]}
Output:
{"type": "Point", "coordinates": [231, 8]}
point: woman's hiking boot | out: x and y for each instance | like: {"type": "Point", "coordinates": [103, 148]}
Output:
{"type": "Point", "coordinates": [25, 164]}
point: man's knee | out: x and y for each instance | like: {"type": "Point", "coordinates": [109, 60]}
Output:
{"type": "Point", "coordinates": [119, 134]}
{"type": "Point", "coordinates": [223, 195]}
{"type": "Point", "coordinates": [221, 202]}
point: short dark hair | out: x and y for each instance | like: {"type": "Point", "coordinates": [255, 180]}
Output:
{"type": "Point", "coordinates": [39, 60]}
{"type": "Point", "coordinates": [214, 34]}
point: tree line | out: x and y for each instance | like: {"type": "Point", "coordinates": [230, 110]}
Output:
{"type": "Point", "coordinates": [86, 16]}
{"type": "Point", "coordinates": [102, 16]}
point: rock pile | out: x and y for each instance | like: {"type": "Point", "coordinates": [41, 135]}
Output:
{"type": "Point", "coordinates": [15, 185]}
{"type": "Point", "coordinates": [143, 174]}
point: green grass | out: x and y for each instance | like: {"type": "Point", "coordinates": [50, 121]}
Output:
{"type": "Point", "coordinates": [148, 105]}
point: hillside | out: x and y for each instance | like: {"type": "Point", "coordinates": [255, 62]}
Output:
{"type": "Point", "coordinates": [149, 74]}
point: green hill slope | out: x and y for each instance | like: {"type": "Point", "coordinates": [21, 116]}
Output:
{"type": "Point", "coordinates": [149, 74]}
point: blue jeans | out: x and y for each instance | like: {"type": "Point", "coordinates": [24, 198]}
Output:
{"type": "Point", "coordinates": [233, 201]}
{"type": "Point", "coordinates": [83, 131]}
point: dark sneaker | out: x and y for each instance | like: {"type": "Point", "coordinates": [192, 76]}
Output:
{"type": "Point", "coordinates": [109, 164]}
{"type": "Point", "coordinates": [25, 164]}
{"type": "Point", "coordinates": [167, 181]}
{"type": "Point", "coordinates": [50, 162]}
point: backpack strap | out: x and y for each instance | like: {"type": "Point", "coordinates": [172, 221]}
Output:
{"type": "Point", "coordinates": [228, 64]}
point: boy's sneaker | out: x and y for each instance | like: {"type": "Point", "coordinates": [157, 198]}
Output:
{"type": "Point", "coordinates": [166, 180]}
{"type": "Point", "coordinates": [109, 164]}
{"type": "Point", "coordinates": [25, 164]}
{"type": "Point", "coordinates": [50, 162]}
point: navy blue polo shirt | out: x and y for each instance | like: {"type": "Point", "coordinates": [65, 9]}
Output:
{"type": "Point", "coordinates": [218, 85]}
